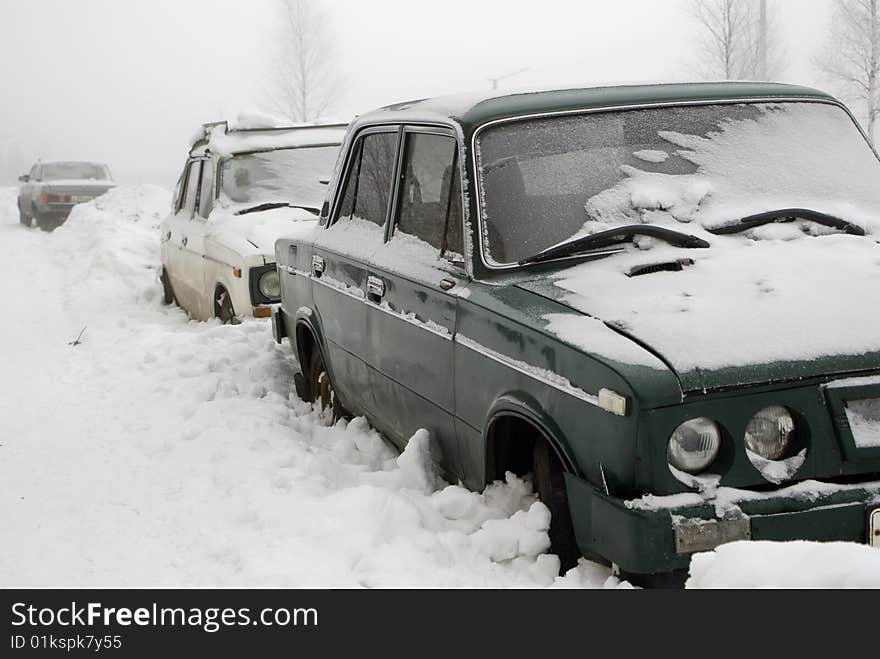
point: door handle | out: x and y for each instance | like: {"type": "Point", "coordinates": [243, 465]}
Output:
{"type": "Point", "coordinates": [448, 284]}
{"type": "Point", "coordinates": [318, 265]}
{"type": "Point", "coordinates": [376, 287]}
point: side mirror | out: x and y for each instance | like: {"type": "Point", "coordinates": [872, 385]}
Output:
{"type": "Point", "coordinates": [24, 178]}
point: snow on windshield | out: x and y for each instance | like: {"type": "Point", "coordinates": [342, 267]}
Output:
{"type": "Point", "coordinates": [548, 180]}
{"type": "Point", "coordinates": [286, 175]}
{"type": "Point", "coordinates": [73, 171]}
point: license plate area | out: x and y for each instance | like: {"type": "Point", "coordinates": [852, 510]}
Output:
{"type": "Point", "coordinates": [874, 529]}
{"type": "Point", "coordinates": [80, 198]}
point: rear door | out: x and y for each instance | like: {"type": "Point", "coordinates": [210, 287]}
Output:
{"type": "Point", "coordinates": [340, 257]}
{"type": "Point", "coordinates": [411, 297]}
{"type": "Point", "coordinates": [176, 235]}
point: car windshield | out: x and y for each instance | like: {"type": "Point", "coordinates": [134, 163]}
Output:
{"type": "Point", "coordinates": [296, 176]}
{"type": "Point", "coordinates": [74, 171]}
{"type": "Point", "coordinates": [549, 180]}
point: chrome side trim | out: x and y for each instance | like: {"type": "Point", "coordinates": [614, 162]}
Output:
{"type": "Point", "coordinates": [502, 267]}
{"type": "Point", "coordinates": [534, 372]}
{"type": "Point", "coordinates": [350, 291]}
{"type": "Point", "coordinates": [439, 330]}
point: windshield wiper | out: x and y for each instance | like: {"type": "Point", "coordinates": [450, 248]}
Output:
{"type": "Point", "coordinates": [788, 215]}
{"type": "Point", "coordinates": [613, 237]}
{"type": "Point", "coordinates": [272, 206]}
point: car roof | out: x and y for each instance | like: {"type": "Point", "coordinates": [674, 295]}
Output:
{"type": "Point", "coordinates": [219, 138]}
{"type": "Point", "coordinates": [469, 111]}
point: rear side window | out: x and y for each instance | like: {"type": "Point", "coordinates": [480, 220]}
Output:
{"type": "Point", "coordinates": [429, 207]}
{"type": "Point", "coordinates": [368, 184]}
{"type": "Point", "coordinates": [191, 188]}
{"type": "Point", "coordinates": [206, 197]}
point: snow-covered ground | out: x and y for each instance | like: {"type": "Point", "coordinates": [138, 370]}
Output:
{"type": "Point", "coordinates": [163, 452]}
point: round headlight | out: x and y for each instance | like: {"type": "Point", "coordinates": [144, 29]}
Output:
{"type": "Point", "coordinates": [694, 445]}
{"type": "Point", "coordinates": [270, 285]}
{"type": "Point", "coordinates": [771, 432]}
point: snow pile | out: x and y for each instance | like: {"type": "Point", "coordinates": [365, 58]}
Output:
{"type": "Point", "coordinates": [164, 452]}
{"type": "Point", "coordinates": [787, 565]}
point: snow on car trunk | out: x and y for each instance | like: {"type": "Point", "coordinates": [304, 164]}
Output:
{"type": "Point", "coordinates": [163, 452]}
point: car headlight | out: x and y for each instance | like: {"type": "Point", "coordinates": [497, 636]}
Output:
{"type": "Point", "coordinates": [270, 285]}
{"type": "Point", "coordinates": [694, 446]}
{"type": "Point", "coordinates": [771, 432]}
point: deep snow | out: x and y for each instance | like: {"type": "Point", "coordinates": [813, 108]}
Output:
{"type": "Point", "coordinates": [163, 452]}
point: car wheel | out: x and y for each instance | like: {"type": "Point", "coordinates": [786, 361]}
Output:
{"type": "Point", "coordinates": [167, 292]}
{"type": "Point", "coordinates": [549, 479]}
{"type": "Point", "coordinates": [24, 218]}
{"type": "Point", "coordinates": [223, 307]}
{"type": "Point", "coordinates": [321, 391]}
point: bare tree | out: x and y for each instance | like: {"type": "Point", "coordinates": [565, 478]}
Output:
{"type": "Point", "coordinates": [304, 80]}
{"type": "Point", "coordinates": [739, 39]}
{"type": "Point", "coordinates": [852, 55]}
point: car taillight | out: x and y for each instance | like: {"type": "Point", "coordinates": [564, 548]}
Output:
{"type": "Point", "coordinates": [44, 198]}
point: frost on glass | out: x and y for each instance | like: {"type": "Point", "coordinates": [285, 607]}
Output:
{"type": "Point", "coordinates": [864, 421]}
{"type": "Point", "coordinates": [545, 181]}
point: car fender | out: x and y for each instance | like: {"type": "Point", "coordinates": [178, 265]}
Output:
{"type": "Point", "coordinates": [523, 406]}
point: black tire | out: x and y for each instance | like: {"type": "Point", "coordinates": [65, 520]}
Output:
{"type": "Point", "coordinates": [24, 218]}
{"type": "Point", "coordinates": [550, 486]}
{"type": "Point", "coordinates": [223, 307]}
{"type": "Point", "coordinates": [320, 389]}
{"type": "Point", "coordinates": [168, 296]}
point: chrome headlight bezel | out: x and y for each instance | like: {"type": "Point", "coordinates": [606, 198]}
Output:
{"type": "Point", "coordinates": [694, 446]}
{"type": "Point", "coordinates": [772, 433]}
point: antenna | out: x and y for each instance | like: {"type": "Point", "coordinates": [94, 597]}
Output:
{"type": "Point", "coordinates": [496, 80]}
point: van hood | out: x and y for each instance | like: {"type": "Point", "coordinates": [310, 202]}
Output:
{"type": "Point", "coordinates": [743, 312]}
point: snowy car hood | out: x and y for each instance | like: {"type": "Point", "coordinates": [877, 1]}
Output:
{"type": "Point", "coordinates": [261, 229]}
{"type": "Point", "coordinates": [746, 311]}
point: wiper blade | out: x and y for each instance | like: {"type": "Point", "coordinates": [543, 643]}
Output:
{"type": "Point", "coordinates": [613, 237]}
{"type": "Point", "coordinates": [268, 207]}
{"type": "Point", "coordinates": [788, 215]}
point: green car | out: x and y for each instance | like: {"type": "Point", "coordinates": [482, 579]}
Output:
{"type": "Point", "coordinates": [662, 302]}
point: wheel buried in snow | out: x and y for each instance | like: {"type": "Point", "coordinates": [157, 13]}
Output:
{"type": "Point", "coordinates": [550, 486]}
{"type": "Point", "coordinates": [223, 308]}
{"type": "Point", "coordinates": [167, 291]}
{"type": "Point", "coordinates": [23, 218]}
{"type": "Point", "coordinates": [321, 391]}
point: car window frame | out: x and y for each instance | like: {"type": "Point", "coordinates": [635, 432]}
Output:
{"type": "Point", "coordinates": [355, 146]}
{"type": "Point", "coordinates": [207, 161]}
{"type": "Point", "coordinates": [444, 131]}
{"type": "Point", "coordinates": [185, 191]}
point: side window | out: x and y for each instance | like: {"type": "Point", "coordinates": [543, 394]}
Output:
{"type": "Point", "coordinates": [35, 173]}
{"type": "Point", "coordinates": [191, 191]}
{"type": "Point", "coordinates": [206, 197]}
{"type": "Point", "coordinates": [429, 207]}
{"type": "Point", "coordinates": [368, 185]}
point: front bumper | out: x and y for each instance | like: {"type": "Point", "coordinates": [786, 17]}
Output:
{"type": "Point", "coordinates": [658, 540]}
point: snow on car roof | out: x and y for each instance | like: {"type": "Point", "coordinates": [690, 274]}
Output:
{"type": "Point", "coordinates": [477, 108]}
{"type": "Point", "coordinates": [220, 139]}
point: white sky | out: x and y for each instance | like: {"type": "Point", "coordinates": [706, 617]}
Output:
{"type": "Point", "coordinates": [128, 81]}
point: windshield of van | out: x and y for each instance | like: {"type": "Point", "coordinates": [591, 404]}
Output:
{"type": "Point", "coordinates": [546, 181]}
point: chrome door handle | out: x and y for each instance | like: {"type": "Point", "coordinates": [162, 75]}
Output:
{"type": "Point", "coordinates": [376, 287]}
{"type": "Point", "coordinates": [448, 284]}
{"type": "Point", "coordinates": [318, 265]}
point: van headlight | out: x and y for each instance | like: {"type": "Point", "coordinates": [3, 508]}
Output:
{"type": "Point", "coordinates": [694, 445]}
{"type": "Point", "coordinates": [771, 432]}
{"type": "Point", "coordinates": [270, 285]}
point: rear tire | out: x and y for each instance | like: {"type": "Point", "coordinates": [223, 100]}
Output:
{"type": "Point", "coordinates": [550, 485]}
{"type": "Point", "coordinates": [321, 391]}
{"type": "Point", "coordinates": [168, 296]}
{"type": "Point", "coordinates": [25, 219]}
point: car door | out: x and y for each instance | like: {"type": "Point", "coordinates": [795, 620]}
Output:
{"type": "Point", "coordinates": [339, 262]}
{"type": "Point", "coordinates": [193, 244]}
{"type": "Point", "coordinates": [411, 298]}
{"type": "Point", "coordinates": [177, 239]}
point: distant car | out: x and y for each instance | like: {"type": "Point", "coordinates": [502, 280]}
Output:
{"type": "Point", "coordinates": [241, 189]}
{"type": "Point", "coordinates": [51, 189]}
{"type": "Point", "coordinates": [661, 302]}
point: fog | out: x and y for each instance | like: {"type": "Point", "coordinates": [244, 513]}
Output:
{"type": "Point", "coordinates": [128, 82]}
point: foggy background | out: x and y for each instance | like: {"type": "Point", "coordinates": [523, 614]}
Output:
{"type": "Point", "coordinates": [128, 82]}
